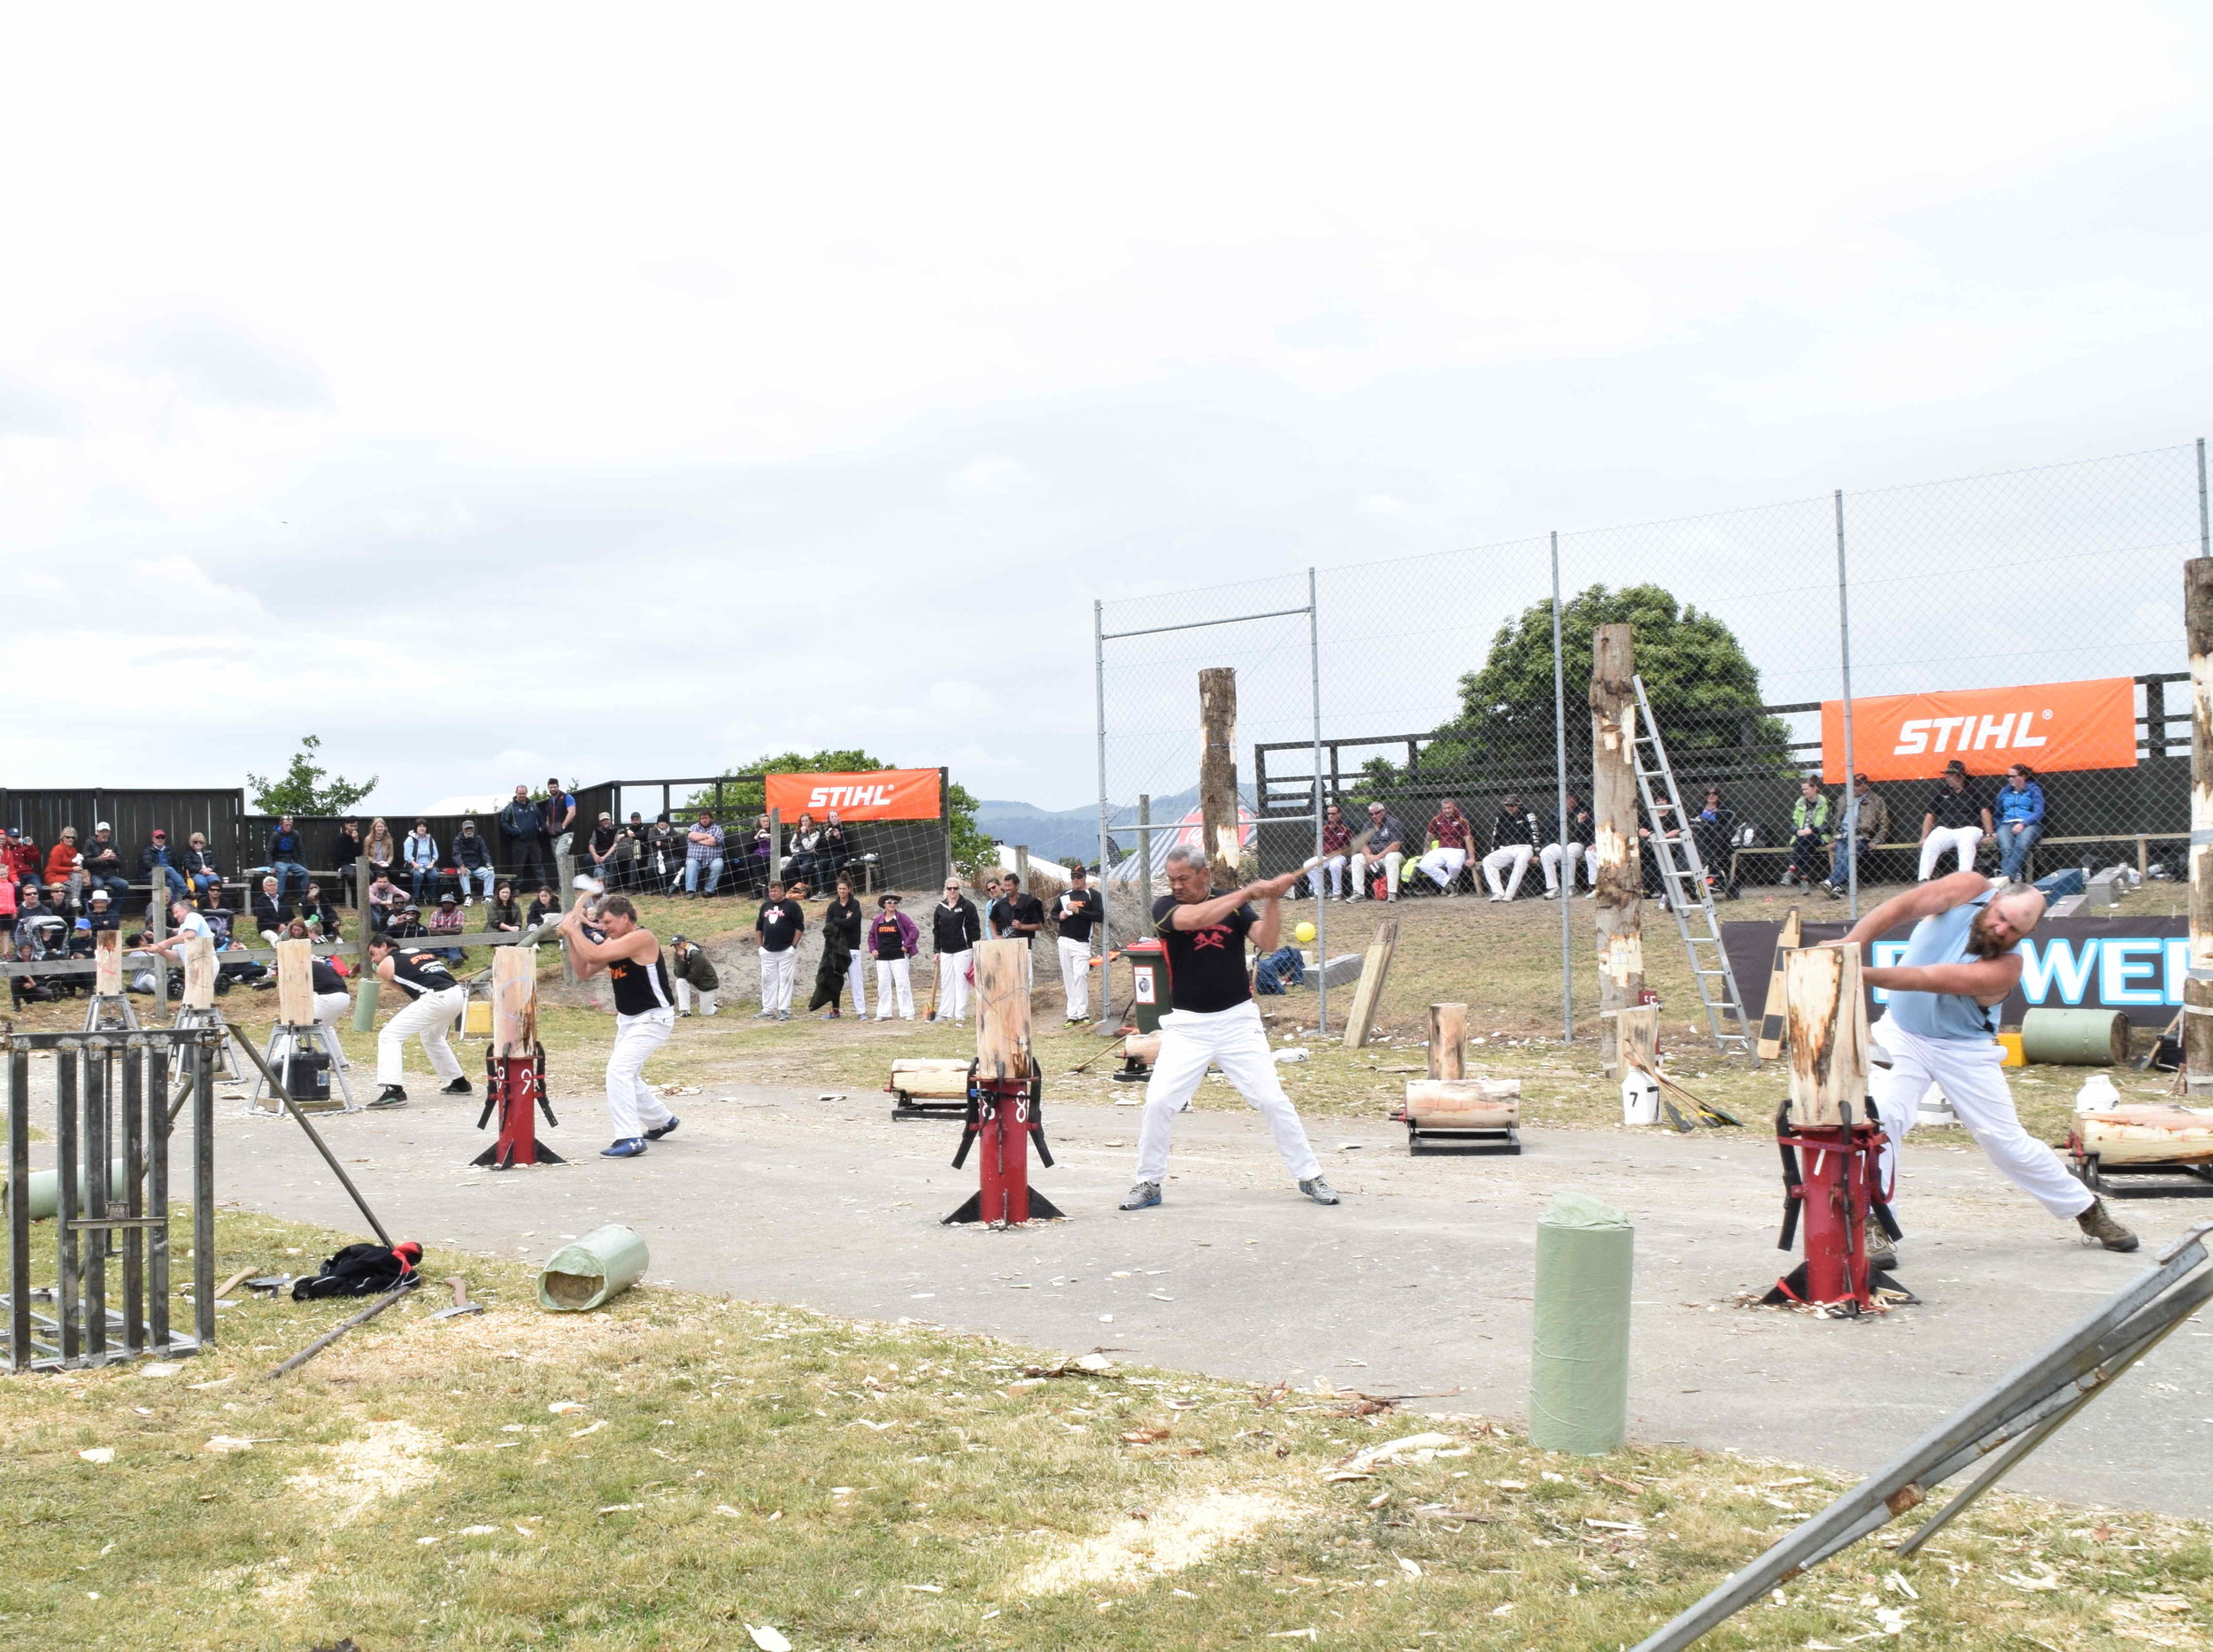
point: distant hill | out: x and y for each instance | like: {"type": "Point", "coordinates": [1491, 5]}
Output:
{"type": "Point", "coordinates": [1072, 834]}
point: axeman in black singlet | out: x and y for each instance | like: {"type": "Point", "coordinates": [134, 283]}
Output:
{"type": "Point", "coordinates": [644, 1014]}
{"type": "Point", "coordinates": [433, 1005]}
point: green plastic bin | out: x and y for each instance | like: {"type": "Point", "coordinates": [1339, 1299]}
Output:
{"type": "Point", "coordinates": [1579, 1390]}
{"type": "Point", "coordinates": [2075, 1038]}
{"type": "Point", "coordinates": [586, 1272]}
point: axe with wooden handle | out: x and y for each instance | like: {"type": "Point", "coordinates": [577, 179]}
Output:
{"type": "Point", "coordinates": [461, 1303]}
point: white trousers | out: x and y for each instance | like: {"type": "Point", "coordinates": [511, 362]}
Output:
{"type": "Point", "coordinates": [633, 1107]}
{"type": "Point", "coordinates": [331, 1008]}
{"type": "Point", "coordinates": [1076, 976]}
{"type": "Point", "coordinates": [857, 982]}
{"type": "Point", "coordinates": [776, 972]}
{"type": "Point", "coordinates": [1576, 855]}
{"type": "Point", "coordinates": [1975, 1084]}
{"type": "Point", "coordinates": [895, 978]}
{"type": "Point", "coordinates": [1443, 865]}
{"type": "Point", "coordinates": [1234, 1040]}
{"type": "Point", "coordinates": [1961, 839]}
{"type": "Point", "coordinates": [1335, 867]}
{"type": "Point", "coordinates": [685, 996]}
{"type": "Point", "coordinates": [952, 985]}
{"type": "Point", "coordinates": [1516, 855]}
{"type": "Point", "coordinates": [431, 1016]}
{"type": "Point", "coordinates": [1364, 865]}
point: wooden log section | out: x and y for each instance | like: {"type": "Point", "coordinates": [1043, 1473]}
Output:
{"type": "Point", "coordinates": [107, 963]}
{"type": "Point", "coordinates": [1639, 1030]}
{"type": "Point", "coordinates": [514, 1001]}
{"type": "Point", "coordinates": [1448, 1041]}
{"type": "Point", "coordinates": [2148, 1135]}
{"type": "Point", "coordinates": [1617, 891]}
{"type": "Point", "coordinates": [1466, 1103]}
{"type": "Point", "coordinates": [198, 955]}
{"type": "Point", "coordinates": [296, 983]}
{"type": "Point", "coordinates": [1218, 773]}
{"type": "Point", "coordinates": [2197, 991]}
{"type": "Point", "coordinates": [1002, 1010]}
{"type": "Point", "coordinates": [1368, 996]}
{"type": "Point", "coordinates": [1827, 1015]}
{"type": "Point", "coordinates": [941, 1078]}
{"type": "Point", "coordinates": [1142, 1047]}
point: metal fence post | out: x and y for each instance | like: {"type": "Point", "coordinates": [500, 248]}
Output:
{"type": "Point", "coordinates": [1851, 796]}
{"type": "Point", "coordinates": [1560, 802]}
{"type": "Point", "coordinates": [1320, 906]}
{"type": "Point", "coordinates": [1106, 881]}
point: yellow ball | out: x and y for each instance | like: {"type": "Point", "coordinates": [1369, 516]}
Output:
{"type": "Point", "coordinates": [1305, 932]}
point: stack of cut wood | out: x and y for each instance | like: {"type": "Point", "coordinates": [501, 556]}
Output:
{"type": "Point", "coordinates": [2148, 1134]}
{"type": "Point", "coordinates": [929, 1075]}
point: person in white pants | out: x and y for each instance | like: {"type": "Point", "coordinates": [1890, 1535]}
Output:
{"type": "Point", "coordinates": [644, 1014]}
{"type": "Point", "coordinates": [1214, 1022]}
{"type": "Point", "coordinates": [695, 976]}
{"type": "Point", "coordinates": [435, 1000]}
{"type": "Point", "coordinates": [779, 927]}
{"type": "Point", "coordinates": [1452, 836]}
{"type": "Point", "coordinates": [1566, 842]}
{"type": "Point", "coordinates": [1386, 847]}
{"type": "Point", "coordinates": [955, 926]}
{"type": "Point", "coordinates": [893, 940]}
{"type": "Point", "coordinates": [1513, 845]}
{"type": "Point", "coordinates": [1337, 842]}
{"type": "Point", "coordinates": [1076, 913]}
{"type": "Point", "coordinates": [1960, 961]}
{"type": "Point", "coordinates": [1957, 819]}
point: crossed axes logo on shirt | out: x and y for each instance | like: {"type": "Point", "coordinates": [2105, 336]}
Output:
{"type": "Point", "coordinates": [1200, 940]}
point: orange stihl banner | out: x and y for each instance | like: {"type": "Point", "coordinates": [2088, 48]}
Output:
{"type": "Point", "coordinates": [882, 794]}
{"type": "Point", "coordinates": [2050, 726]}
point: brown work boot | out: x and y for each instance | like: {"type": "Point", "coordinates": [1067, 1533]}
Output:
{"type": "Point", "coordinates": [2098, 1222]}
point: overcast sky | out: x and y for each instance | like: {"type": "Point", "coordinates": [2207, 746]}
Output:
{"type": "Point", "coordinates": [493, 390]}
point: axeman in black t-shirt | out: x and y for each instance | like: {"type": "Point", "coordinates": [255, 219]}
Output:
{"type": "Point", "coordinates": [1076, 912]}
{"type": "Point", "coordinates": [780, 923]}
{"type": "Point", "coordinates": [1214, 1021]}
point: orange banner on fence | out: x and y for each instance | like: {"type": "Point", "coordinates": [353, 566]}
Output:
{"type": "Point", "coordinates": [882, 794]}
{"type": "Point", "coordinates": [2055, 726]}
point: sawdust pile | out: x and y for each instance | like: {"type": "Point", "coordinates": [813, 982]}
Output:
{"type": "Point", "coordinates": [389, 1458]}
{"type": "Point", "coordinates": [1173, 1538]}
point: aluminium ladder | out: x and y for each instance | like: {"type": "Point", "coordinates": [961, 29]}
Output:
{"type": "Point", "coordinates": [1685, 882]}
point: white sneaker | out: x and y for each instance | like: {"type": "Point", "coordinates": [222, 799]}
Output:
{"type": "Point", "coordinates": [1552, 894]}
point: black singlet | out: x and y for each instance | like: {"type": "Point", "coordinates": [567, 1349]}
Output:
{"type": "Point", "coordinates": [640, 986]}
{"type": "Point", "coordinates": [422, 973]}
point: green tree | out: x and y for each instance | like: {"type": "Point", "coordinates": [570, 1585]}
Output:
{"type": "Point", "coordinates": [743, 793]}
{"type": "Point", "coordinates": [1701, 683]}
{"type": "Point", "coordinates": [301, 790]}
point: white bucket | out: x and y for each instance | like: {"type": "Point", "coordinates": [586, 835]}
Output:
{"type": "Point", "coordinates": [1640, 1099]}
{"type": "Point", "coordinates": [2097, 1095]}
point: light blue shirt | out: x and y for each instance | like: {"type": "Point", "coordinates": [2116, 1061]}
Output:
{"type": "Point", "coordinates": [1942, 940]}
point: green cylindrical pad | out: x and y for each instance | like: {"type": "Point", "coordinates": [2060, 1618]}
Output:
{"type": "Point", "coordinates": [1579, 1390]}
{"type": "Point", "coordinates": [585, 1272]}
{"type": "Point", "coordinates": [43, 1188]}
{"type": "Point", "coordinates": [2075, 1038]}
{"type": "Point", "coordinates": [364, 1006]}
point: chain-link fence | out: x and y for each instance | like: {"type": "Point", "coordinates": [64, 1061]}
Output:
{"type": "Point", "coordinates": [2026, 626]}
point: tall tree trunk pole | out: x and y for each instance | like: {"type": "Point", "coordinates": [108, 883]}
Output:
{"type": "Point", "coordinates": [1218, 773]}
{"type": "Point", "coordinates": [1619, 896]}
{"type": "Point", "coordinates": [2197, 990]}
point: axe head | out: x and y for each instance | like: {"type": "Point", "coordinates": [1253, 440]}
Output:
{"type": "Point", "coordinates": [461, 1303]}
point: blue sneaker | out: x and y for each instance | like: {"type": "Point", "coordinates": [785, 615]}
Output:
{"type": "Point", "coordinates": [1144, 1196]}
{"type": "Point", "coordinates": [659, 1131]}
{"type": "Point", "coordinates": [628, 1148]}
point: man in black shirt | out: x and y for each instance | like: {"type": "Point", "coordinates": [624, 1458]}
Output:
{"type": "Point", "coordinates": [779, 926]}
{"type": "Point", "coordinates": [1214, 1021]}
{"type": "Point", "coordinates": [1958, 819]}
{"type": "Point", "coordinates": [1017, 913]}
{"type": "Point", "coordinates": [954, 929]}
{"type": "Point", "coordinates": [1076, 912]}
{"type": "Point", "coordinates": [434, 1004]}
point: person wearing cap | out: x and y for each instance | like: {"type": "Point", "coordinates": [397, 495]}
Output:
{"type": "Point", "coordinates": [694, 973]}
{"type": "Point", "coordinates": [473, 859]}
{"type": "Point", "coordinates": [104, 862]}
{"type": "Point", "coordinates": [779, 925]}
{"type": "Point", "coordinates": [1866, 823]}
{"type": "Point", "coordinates": [1385, 848]}
{"type": "Point", "coordinates": [954, 929]}
{"type": "Point", "coordinates": [155, 866]}
{"type": "Point", "coordinates": [1957, 819]}
{"type": "Point", "coordinates": [605, 837]}
{"type": "Point", "coordinates": [447, 920]}
{"type": "Point", "coordinates": [1075, 914]}
{"type": "Point", "coordinates": [406, 925]}
{"type": "Point", "coordinates": [20, 856]}
{"type": "Point", "coordinates": [288, 856]}
{"type": "Point", "coordinates": [100, 913]}
{"type": "Point", "coordinates": [271, 911]}
{"type": "Point", "coordinates": [893, 940]}
{"type": "Point", "coordinates": [1515, 840]}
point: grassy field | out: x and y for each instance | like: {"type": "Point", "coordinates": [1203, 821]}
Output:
{"type": "Point", "coordinates": [671, 1471]}
{"type": "Point", "coordinates": [1502, 960]}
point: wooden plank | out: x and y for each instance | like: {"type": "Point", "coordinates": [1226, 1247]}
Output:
{"type": "Point", "coordinates": [1617, 894]}
{"type": "Point", "coordinates": [1773, 1020]}
{"type": "Point", "coordinates": [1002, 1010]}
{"type": "Point", "coordinates": [514, 1001]}
{"type": "Point", "coordinates": [1639, 1027]}
{"type": "Point", "coordinates": [1448, 1041]}
{"type": "Point", "coordinates": [1218, 773]}
{"type": "Point", "coordinates": [2197, 990]}
{"type": "Point", "coordinates": [296, 983]}
{"type": "Point", "coordinates": [1470, 1103]}
{"type": "Point", "coordinates": [1374, 968]}
{"type": "Point", "coordinates": [1828, 1037]}
{"type": "Point", "coordinates": [198, 955]}
{"type": "Point", "coordinates": [107, 963]}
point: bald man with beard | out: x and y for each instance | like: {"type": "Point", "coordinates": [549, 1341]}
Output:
{"type": "Point", "coordinates": [1960, 963]}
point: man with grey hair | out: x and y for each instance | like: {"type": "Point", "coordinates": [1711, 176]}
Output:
{"type": "Point", "coordinates": [1213, 1021]}
{"type": "Point", "coordinates": [1960, 961]}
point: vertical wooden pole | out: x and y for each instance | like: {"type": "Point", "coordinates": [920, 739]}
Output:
{"type": "Point", "coordinates": [199, 973]}
{"type": "Point", "coordinates": [1448, 1041]}
{"type": "Point", "coordinates": [1618, 898]}
{"type": "Point", "coordinates": [296, 983]}
{"type": "Point", "coordinates": [514, 1001]}
{"type": "Point", "coordinates": [157, 927]}
{"type": "Point", "coordinates": [1144, 860]}
{"type": "Point", "coordinates": [2197, 988]}
{"type": "Point", "coordinates": [1002, 1010]}
{"type": "Point", "coordinates": [1218, 773]}
{"type": "Point", "coordinates": [1021, 869]}
{"type": "Point", "coordinates": [362, 922]}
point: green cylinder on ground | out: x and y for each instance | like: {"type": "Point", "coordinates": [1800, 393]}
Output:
{"type": "Point", "coordinates": [1579, 1388]}
{"type": "Point", "coordinates": [2075, 1038]}
{"type": "Point", "coordinates": [364, 1006]}
{"type": "Point", "coordinates": [586, 1272]}
{"type": "Point", "coordinates": [44, 1190]}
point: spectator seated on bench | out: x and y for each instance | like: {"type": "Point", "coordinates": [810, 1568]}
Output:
{"type": "Point", "coordinates": [2020, 811]}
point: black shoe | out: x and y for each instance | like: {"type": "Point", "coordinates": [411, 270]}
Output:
{"type": "Point", "coordinates": [458, 1087]}
{"type": "Point", "coordinates": [659, 1131]}
{"type": "Point", "coordinates": [393, 1096]}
